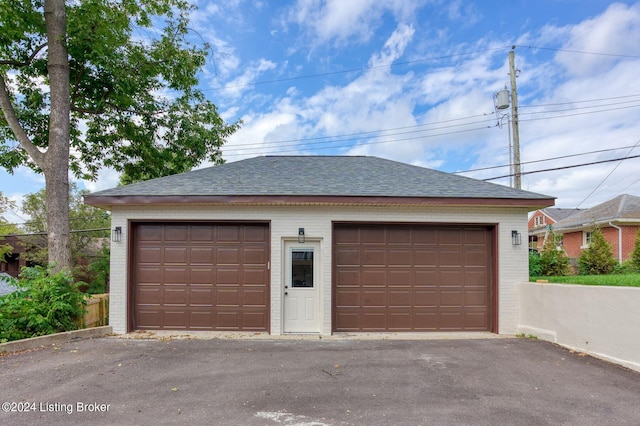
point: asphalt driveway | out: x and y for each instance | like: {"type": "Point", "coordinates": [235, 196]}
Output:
{"type": "Point", "coordinates": [308, 382]}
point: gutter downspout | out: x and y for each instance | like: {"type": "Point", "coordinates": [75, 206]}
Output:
{"type": "Point", "coordinates": [619, 242]}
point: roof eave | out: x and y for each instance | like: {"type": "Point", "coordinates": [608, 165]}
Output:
{"type": "Point", "coordinates": [110, 201]}
{"type": "Point", "coordinates": [588, 225]}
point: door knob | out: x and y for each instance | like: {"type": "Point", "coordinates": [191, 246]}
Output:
{"type": "Point", "coordinates": [285, 293]}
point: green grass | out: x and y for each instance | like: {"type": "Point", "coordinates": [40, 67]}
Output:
{"type": "Point", "coordinates": [622, 280]}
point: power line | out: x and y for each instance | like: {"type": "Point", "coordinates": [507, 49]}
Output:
{"type": "Point", "coordinates": [266, 150]}
{"type": "Point", "coordinates": [321, 140]}
{"type": "Point", "coordinates": [578, 102]}
{"type": "Point", "coordinates": [271, 147]}
{"type": "Point", "coordinates": [584, 107]}
{"type": "Point", "coordinates": [338, 140]}
{"type": "Point", "coordinates": [34, 222]}
{"type": "Point", "coordinates": [8, 207]}
{"type": "Point", "coordinates": [276, 146]}
{"type": "Point", "coordinates": [434, 58]}
{"type": "Point", "coordinates": [566, 167]}
{"type": "Point", "coordinates": [579, 113]}
{"type": "Point", "coordinates": [607, 176]}
{"type": "Point", "coordinates": [628, 186]}
{"type": "Point", "coordinates": [365, 68]}
{"type": "Point", "coordinates": [614, 55]}
{"type": "Point", "coordinates": [332, 139]}
{"type": "Point", "coordinates": [357, 134]}
{"type": "Point", "coordinates": [545, 159]}
{"type": "Point", "coordinates": [73, 231]}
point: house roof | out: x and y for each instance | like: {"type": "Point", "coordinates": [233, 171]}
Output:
{"type": "Point", "coordinates": [558, 214]}
{"type": "Point", "coordinates": [311, 177]}
{"type": "Point", "coordinates": [555, 215]}
{"type": "Point", "coordinates": [623, 208]}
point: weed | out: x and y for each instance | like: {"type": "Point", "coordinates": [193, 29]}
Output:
{"type": "Point", "coordinates": [526, 336]}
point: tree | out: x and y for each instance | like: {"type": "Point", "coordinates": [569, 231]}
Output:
{"type": "Point", "coordinates": [553, 262]}
{"type": "Point", "coordinates": [89, 224]}
{"type": "Point", "coordinates": [635, 254]}
{"type": "Point", "coordinates": [597, 259]}
{"type": "Point", "coordinates": [113, 83]}
{"type": "Point", "coordinates": [535, 268]}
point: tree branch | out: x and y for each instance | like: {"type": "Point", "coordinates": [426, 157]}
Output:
{"type": "Point", "coordinates": [75, 86]}
{"type": "Point", "coordinates": [102, 109]}
{"type": "Point", "coordinates": [28, 61]}
{"type": "Point", "coordinates": [10, 115]}
{"type": "Point", "coordinates": [97, 111]}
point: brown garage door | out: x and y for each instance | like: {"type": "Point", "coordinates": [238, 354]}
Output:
{"type": "Point", "coordinates": [201, 276]}
{"type": "Point", "coordinates": [411, 278]}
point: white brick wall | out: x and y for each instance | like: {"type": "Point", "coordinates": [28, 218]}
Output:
{"type": "Point", "coordinates": [317, 221]}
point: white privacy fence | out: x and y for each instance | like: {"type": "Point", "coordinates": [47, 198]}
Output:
{"type": "Point", "coordinates": [601, 321]}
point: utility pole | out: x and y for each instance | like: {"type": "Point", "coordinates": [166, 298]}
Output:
{"type": "Point", "coordinates": [514, 121]}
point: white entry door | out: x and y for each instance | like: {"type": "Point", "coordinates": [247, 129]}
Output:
{"type": "Point", "coordinates": [301, 288]}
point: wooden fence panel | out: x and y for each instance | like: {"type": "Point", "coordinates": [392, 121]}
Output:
{"type": "Point", "coordinates": [96, 311]}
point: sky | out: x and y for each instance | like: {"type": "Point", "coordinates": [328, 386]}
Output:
{"type": "Point", "coordinates": [415, 81]}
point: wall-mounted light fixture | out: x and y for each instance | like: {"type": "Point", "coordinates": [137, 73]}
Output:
{"type": "Point", "coordinates": [301, 235]}
{"type": "Point", "coordinates": [116, 234]}
{"type": "Point", "coordinates": [516, 238]}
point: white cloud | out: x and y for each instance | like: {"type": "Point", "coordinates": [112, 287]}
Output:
{"type": "Point", "coordinates": [237, 86]}
{"type": "Point", "coordinates": [606, 33]}
{"type": "Point", "coordinates": [463, 11]}
{"type": "Point", "coordinates": [223, 59]}
{"type": "Point", "coordinates": [394, 47]}
{"type": "Point", "coordinates": [339, 21]}
{"type": "Point", "coordinates": [376, 98]}
{"type": "Point", "coordinates": [260, 130]}
{"type": "Point", "coordinates": [336, 19]}
{"type": "Point", "coordinates": [107, 178]}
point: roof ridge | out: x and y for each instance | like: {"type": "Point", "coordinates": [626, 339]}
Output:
{"type": "Point", "coordinates": [314, 155]}
{"type": "Point", "coordinates": [626, 199]}
{"type": "Point", "coordinates": [623, 201]}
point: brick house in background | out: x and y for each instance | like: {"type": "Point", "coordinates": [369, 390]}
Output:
{"type": "Point", "coordinates": [618, 218]}
{"type": "Point", "coordinates": [14, 262]}
{"type": "Point", "coordinates": [540, 221]}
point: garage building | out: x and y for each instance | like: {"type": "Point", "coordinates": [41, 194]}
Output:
{"type": "Point", "coordinates": [319, 245]}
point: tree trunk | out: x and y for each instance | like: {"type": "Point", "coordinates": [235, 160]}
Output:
{"type": "Point", "coordinates": [56, 161]}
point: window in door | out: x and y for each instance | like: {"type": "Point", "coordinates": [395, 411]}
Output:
{"type": "Point", "coordinates": [302, 268]}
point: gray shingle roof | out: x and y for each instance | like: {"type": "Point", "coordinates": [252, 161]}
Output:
{"type": "Point", "coordinates": [558, 214]}
{"type": "Point", "coordinates": [319, 176]}
{"type": "Point", "coordinates": [621, 207]}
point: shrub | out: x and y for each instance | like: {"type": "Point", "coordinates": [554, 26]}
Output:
{"type": "Point", "coordinates": [597, 259]}
{"type": "Point", "coordinates": [625, 268]}
{"type": "Point", "coordinates": [44, 303]}
{"type": "Point", "coordinates": [553, 262]}
{"type": "Point", "coordinates": [99, 270]}
{"type": "Point", "coordinates": [535, 268]}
